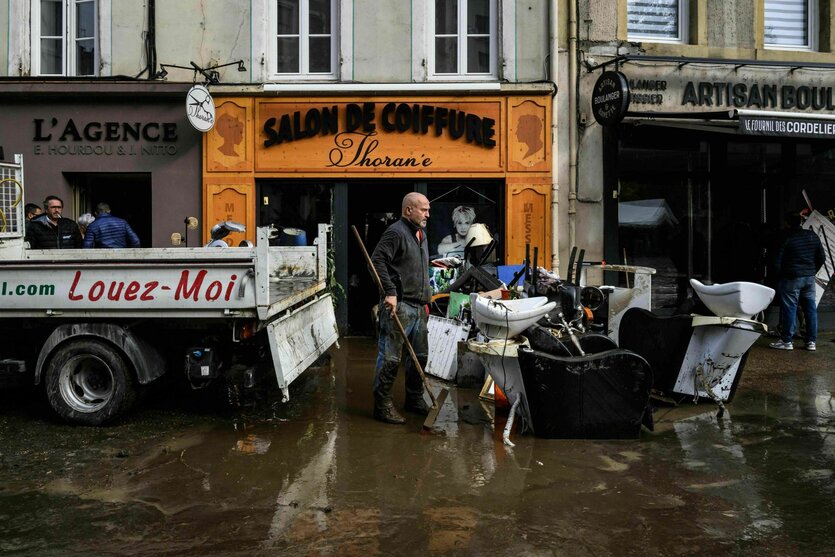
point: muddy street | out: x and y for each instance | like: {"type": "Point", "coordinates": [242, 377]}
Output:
{"type": "Point", "coordinates": [317, 476]}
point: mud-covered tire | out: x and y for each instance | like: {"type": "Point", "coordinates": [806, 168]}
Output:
{"type": "Point", "coordinates": [89, 383]}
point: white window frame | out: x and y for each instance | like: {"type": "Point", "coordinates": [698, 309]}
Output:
{"type": "Point", "coordinates": [462, 74]}
{"type": "Point", "coordinates": [304, 45]}
{"type": "Point", "coordinates": [812, 30]}
{"type": "Point", "coordinates": [68, 55]}
{"type": "Point", "coordinates": [683, 27]}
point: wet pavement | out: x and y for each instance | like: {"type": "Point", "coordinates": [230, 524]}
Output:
{"type": "Point", "coordinates": [316, 476]}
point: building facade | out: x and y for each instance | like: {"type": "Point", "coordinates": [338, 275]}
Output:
{"type": "Point", "coordinates": [729, 125]}
{"type": "Point", "coordinates": [323, 111]}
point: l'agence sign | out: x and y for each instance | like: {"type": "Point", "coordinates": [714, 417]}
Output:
{"type": "Point", "coordinates": [95, 138]}
{"type": "Point", "coordinates": [378, 136]}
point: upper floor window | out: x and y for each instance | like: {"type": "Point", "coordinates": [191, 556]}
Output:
{"type": "Point", "coordinates": [465, 38]}
{"type": "Point", "coordinates": [791, 24]}
{"type": "Point", "coordinates": [303, 38]}
{"type": "Point", "coordinates": [663, 21]}
{"type": "Point", "coordinates": [66, 38]}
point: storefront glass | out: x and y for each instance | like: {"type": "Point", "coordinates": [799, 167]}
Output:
{"type": "Point", "coordinates": [710, 206]}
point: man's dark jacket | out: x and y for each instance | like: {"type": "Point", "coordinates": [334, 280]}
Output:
{"type": "Point", "coordinates": [41, 234]}
{"type": "Point", "coordinates": [801, 255]}
{"type": "Point", "coordinates": [403, 263]}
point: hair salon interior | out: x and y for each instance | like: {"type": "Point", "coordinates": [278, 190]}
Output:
{"type": "Point", "coordinates": [727, 128]}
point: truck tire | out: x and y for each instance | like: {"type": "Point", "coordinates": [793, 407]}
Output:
{"type": "Point", "coordinates": [89, 383]}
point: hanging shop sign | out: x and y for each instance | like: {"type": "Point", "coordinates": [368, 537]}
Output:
{"type": "Point", "coordinates": [610, 98]}
{"type": "Point", "coordinates": [200, 108]}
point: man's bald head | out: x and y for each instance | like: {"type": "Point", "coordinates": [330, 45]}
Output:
{"type": "Point", "coordinates": [413, 198]}
{"type": "Point", "coordinates": [415, 208]}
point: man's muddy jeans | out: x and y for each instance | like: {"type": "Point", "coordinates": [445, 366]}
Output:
{"type": "Point", "coordinates": [791, 292]}
{"type": "Point", "coordinates": [390, 347]}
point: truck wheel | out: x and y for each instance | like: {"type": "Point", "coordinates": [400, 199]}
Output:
{"type": "Point", "coordinates": [88, 382]}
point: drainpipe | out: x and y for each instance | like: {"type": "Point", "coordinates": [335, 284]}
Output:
{"type": "Point", "coordinates": [555, 186]}
{"type": "Point", "coordinates": [572, 122]}
{"type": "Point", "coordinates": [151, 40]}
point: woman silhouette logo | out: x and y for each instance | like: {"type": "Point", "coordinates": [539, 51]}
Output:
{"type": "Point", "coordinates": [232, 131]}
{"type": "Point", "coordinates": [529, 132]}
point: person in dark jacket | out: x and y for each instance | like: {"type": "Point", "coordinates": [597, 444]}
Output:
{"type": "Point", "coordinates": [401, 259]}
{"type": "Point", "coordinates": [50, 230]}
{"type": "Point", "coordinates": [108, 231]}
{"type": "Point", "coordinates": [32, 210]}
{"type": "Point", "coordinates": [797, 262]}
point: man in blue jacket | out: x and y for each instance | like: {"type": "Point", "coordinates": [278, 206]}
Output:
{"type": "Point", "coordinates": [797, 262]}
{"type": "Point", "coordinates": [108, 231]}
{"type": "Point", "coordinates": [401, 259]}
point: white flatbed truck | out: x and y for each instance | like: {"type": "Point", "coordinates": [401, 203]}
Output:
{"type": "Point", "coordinates": [94, 325]}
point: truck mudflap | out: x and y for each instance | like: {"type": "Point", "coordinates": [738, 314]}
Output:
{"type": "Point", "coordinates": [297, 339]}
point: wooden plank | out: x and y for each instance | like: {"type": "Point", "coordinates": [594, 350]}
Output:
{"type": "Point", "coordinates": [528, 221]}
{"type": "Point", "coordinates": [230, 198]}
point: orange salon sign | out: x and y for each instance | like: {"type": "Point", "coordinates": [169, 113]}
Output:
{"type": "Point", "coordinates": [384, 135]}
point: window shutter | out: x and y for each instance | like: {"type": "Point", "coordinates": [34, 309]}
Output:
{"type": "Point", "coordinates": [787, 23]}
{"type": "Point", "coordinates": [653, 19]}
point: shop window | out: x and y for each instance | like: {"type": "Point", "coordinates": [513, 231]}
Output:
{"type": "Point", "coordinates": [303, 39]}
{"type": "Point", "coordinates": [65, 38]}
{"type": "Point", "coordinates": [663, 21]}
{"type": "Point", "coordinates": [791, 24]}
{"type": "Point", "coordinates": [464, 39]}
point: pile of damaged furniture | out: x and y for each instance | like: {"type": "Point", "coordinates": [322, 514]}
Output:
{"type": "Point", "coordinates": [563, 379]}
{"type": "Point", "coordinates": [585, 362]}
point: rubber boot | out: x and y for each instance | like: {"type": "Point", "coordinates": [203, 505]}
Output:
{"type": "Point", "coordinates": [416, 404]}
{"type": "Point", "coordinates": [383, 407]}
{"type": "Point", "coordinates": [384, 411]}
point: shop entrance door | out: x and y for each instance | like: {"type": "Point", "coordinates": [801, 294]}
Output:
{"type": "Point", "coordinates": [128, 194]}
{"type": "Point", "coordinates": [371, 207]}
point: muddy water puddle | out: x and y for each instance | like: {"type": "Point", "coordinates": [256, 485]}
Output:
{"type": "Point", "coordinates": [317, 476]}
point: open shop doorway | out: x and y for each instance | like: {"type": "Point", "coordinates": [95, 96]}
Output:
{"type": "Point", "coordinates": [128, 194]}
{"type": "Point", "coordinates": [371, 207]}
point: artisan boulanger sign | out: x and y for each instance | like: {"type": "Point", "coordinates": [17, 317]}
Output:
{"type": "Point", "coordinates": [730, 94]}
{"type": "Point", "coordinates": [96, 138]}
{"type": "Point", "coordinates": [804, 107]}
{"type": "Point", "coordinates": [757, 95]}
{"type": "Point", "coordinates": [354, 132]}
{"type": "Point", "coordinates": [610, 98]}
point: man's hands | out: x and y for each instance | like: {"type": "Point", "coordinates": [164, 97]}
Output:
{"type": "Point", "coordinates": [391, 304]}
